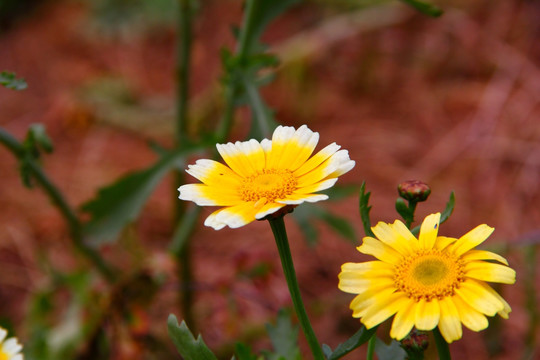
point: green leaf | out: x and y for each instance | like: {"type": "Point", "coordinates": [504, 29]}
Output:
{"type": "Point", "coordinates": [186, 344]}
{"type": "Point", "coordinates": [359, 338]}
{"type": "Point", "coordinates": [392, 351]}
{"type": "Point", "coordinates": [121, 202]}
{"type": "Point", "coordinates": [10, 81]}
{"type": "Point", "coordinates": [424, 7]}
{"type": "Point", "coordinates": [263, 13]}
{"type": "Point", "coordinates": [365, 209]}
{"type": "Point", "coordinates": [37, 139]}
{"type": "Point", "coordinates": [403, 209]}
{"type": "Point", "coordinates": [444, 215]}
{"type": "Point", "coordinates": [284, 337]}
{"type": "Point", "coordinates": [243, 352]}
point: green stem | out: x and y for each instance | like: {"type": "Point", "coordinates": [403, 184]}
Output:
{"type": "Point", "coordinates": [60, 203]}
{"type": "Point", "coordinates": [280, 235]}
{"type": "Point", "coordinates": [183, 254]}
{"type": "Point", "coordinates": [412, 208]}
{"type": "Point", "coordinates": [442, 345]}
{"type": "Point", "coordinates": [371, 347]}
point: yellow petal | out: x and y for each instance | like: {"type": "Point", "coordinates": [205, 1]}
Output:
{"type": "Point", "coordinates": [429, 230]}
{"type": "Point", "coordinates": [471, 239]}
{"type": "Point", "coordinates": [317, 159]}
{"type": "Point", "coordinates": [245, 158]}
{"type": "Point", "coordinates": [323, 185]}
{"type": "Point", "coordinates": [442, 242]}
{"type": "Point", "coordinates": [295, 149]}
{"type": "Point", "coordinates": [233, 217]}
{"type": "Point", "coordinates": [471, 318]}
{"type": "Point", "coordinates": [268, 209]}
{"type": "Point", "coordinates": [295, 199]}
{"type": "Point", "coordinates": [483, 255]}
{"type": "Point", "coordinates": [404, 320]}
{"type": "Point", "coordinates": [213, 173]}
{"type": "Point", "coordinates": [335, 165]}
{"type": "Point", "coordinates": [485, 271]}
{"type": "Point", "coordinates": [396, 236]}
{"type": "Point", "coordinates": [479, 296]}
{"type": "Point", "coordinates": [449, 324]}
{"type": "Point", "coordinates": [381, 251]}
{"type": "Point", "coordinates": [385, 305]}
{"type": "Point", "coordinates": [427, 314]}
{"type": "Point", "coordinates": [204, 195]}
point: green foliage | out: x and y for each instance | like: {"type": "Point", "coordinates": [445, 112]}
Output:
{"type": "Point", "coordinates": [37, 140]}
{"type": "Point", "coordinates": [392, 351]}
{"type": "Point", "coordinates": [365, 208]}
{"type": "Point", "coordinates": [243, 352]}
{"type": "Point", "coordinates": [284, 337]}
{"type": "Point", "coordinates": [361, 337]}
{"type": "Point", "coordinates": [10, 81]}
{"type": "Point", "coordinates": [186, 344]}
{"type": "Point", "coordinates": [121, 202]}
{"type": "Point", "coordinates": [424, 7]}
{"type": "Point", "coordinates": [444, 215]}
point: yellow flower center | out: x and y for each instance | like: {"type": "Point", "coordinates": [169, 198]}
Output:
{"type": "Point", "coordinates": [270, 184]}
{"type": "Point", "coordinates": [429, 274]}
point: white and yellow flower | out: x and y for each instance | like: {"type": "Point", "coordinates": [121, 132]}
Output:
{"type": "Point", "coordinates": [262, 177]}
{"type": "Point", "coordinates": [426, 282]}
{"type": "Point", "coordinates": [10, 349]}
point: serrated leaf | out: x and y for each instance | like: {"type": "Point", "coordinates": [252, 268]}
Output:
{"type": "Point", "coordinates": [186, 344]}
{"type": "Point", "coordinates": [284, 337]}
{"type": "Point", "coordinates": [444, 215]}
{"type": "Point", "coordinates": [365, 209]}
{"type": "Point", "coordinates": [424, 7]}
{"type": "Point", "coordinates": [359, 338]}
{"type": "Point", "coordinates": [392, 351]}
{"type": "Point", "coordinates": [120, 203]}
{"type": "Point", "coordinates": [10, 81]}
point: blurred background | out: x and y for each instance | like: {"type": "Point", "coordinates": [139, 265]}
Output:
{"type": "Point", "coordinates": [452, 101]}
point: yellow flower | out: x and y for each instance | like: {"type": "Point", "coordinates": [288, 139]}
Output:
{"type": "Point", "coordinates": [262, 177]}
{"type": "Point", "coordinates": [9, 349]}
{"type": "Point", "coordinates": [426, 282]}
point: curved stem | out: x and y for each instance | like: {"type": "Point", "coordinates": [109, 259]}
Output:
{"type": "Point", "coordinates": [442, 345]}
{"type": "Point", "coordinates": [280, 235]}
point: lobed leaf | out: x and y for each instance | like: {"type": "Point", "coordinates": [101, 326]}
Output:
{"type": "Point", "coordinates": [186, 344]}
{"type": "Point", "coordinates": [284, 337]}
{"type": "Point", "coordinates": [365, 209]}
{"type": "Point", "coordinates": [10, 81]}
{"type": "Point", "coordinates": [359, 338]}
{"type": "Point", "coordinates": [392, 351]}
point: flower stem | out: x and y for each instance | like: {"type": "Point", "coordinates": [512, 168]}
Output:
{"type": "Point", "coordinates": [371, 347]}
{"type": "Point", "coordinates": [280, 235]}
{"type": "Point", "coordinates": [442, 345]}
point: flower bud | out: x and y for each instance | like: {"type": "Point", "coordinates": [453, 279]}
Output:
{"type": "Point", "coordinates": [417, 341]}
{"type": "Point", "coordinates": [414, 190]}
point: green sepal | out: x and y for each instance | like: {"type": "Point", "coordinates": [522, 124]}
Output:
{"type": "Point", "coordinates": [186, 344]}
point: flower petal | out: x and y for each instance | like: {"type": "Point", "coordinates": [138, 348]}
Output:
{"type": "Point", "coordinates": [485, 271]}
{"type": "Point", "coordinates": [442, 242]}
{"type": "Point", "coordinates": [295, 199]}
{"type": "Point", "coordinates": [233, 217]}
{"type": "Point", "coordinates": [268, 209]}
{"type": "Point", "coordinates": [429, 230]}
{"type": "Point", "coordinates": [335, 165]}
{"type": "Point", "coordinates": [404, 320]}
{"type": "Point", "coordinates": [317, 159]}
{"type": "Point", "coordinates": [483, 255]}
{"type": "Point", "coordinates": [449, 324]}
{"type": "Point", "coordinates": [385, 305]}
{"type": "Point", "coordinates": [297, 149]}
{"type": "Point", "coordinates": [471, 239]}
{"type": "Point", "coordinates": [471, 318]}
{"type": "Point", "coordinates": [323, 185]}
{"type": "Point", "coordinates": [244, 158]}
{"type": "Point", "coordinates": [212, 172]}
{"type": "Point", "coordinates": [204, 195]}
{"type": "Point", "coordinates": [427, 314]}
{"type": "Point", "coordinates": [480, 297]}
{"type": "Point", "coordinates": [395, 236]}
{"type": "Point", "coordinates": [380, 250]}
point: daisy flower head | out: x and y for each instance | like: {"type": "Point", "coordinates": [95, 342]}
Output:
{"type": "Point", "coordinates": [427, 281]}
{"type": "Point", "coordinates": [10, 349]}
{"type": "Point", "coordinates": [260, 178]}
